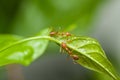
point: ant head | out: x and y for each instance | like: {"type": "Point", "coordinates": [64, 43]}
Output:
{"type": "Point", "coordinates": [68, 34]}
{"type": "Point", "coordinates": [53, 33]}
{"type": "Point", "coordinates": [63, 45]}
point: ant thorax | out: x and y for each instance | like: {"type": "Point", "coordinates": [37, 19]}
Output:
{"type": "Point", "coordinates": [53, 33]}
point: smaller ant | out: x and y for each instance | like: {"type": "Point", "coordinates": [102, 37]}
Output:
{"type": "Point", "coordinates": [53, 33]}
{"type": "Point", "coordinates": [64, 46]}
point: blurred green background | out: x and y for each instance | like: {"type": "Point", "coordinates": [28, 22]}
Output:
{"type": "Point", "coordinates": [96, 18]}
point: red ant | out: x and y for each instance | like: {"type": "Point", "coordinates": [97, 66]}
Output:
{"type": "Point", "coordinates": [53, 33]}
{"type": "Point", "coordinates": [64, 46]}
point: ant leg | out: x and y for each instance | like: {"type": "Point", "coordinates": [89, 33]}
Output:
{"type": "Point", "coordinates": [74, 62]}
{"type": "Point", "coordinates": [61, 50]}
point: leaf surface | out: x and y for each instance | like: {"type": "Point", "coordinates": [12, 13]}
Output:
{"type": "Point", "coordinates": [89, 51]}
{"type": "Point", "coordinates": [85, 51]}
{"type": "Point", "coordinates": [14, 49]}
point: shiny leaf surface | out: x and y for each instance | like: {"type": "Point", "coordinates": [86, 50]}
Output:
{"type": "Point", "coordinates": [87, 52]}
{"type": "Point", "coordinates": [15, 50]}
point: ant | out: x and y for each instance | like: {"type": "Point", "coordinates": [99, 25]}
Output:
{"type": "Point", "coordinates": [64, 46]}
{"type": "Point", "coordinates": [53, 33]}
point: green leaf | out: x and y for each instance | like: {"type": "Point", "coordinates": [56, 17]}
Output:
{"type": "Point", "coordinates": [89, 52]}
{"type": "Point", "coordinates": [14, 49]}
{"type": "Point", "coordinates": [83, 50]}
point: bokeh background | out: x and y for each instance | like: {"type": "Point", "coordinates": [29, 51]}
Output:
{"type": "Point", "coordinates": [99, 19]}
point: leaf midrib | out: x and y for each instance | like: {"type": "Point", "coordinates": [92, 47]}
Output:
{"type": "Point", "coordinates": [94, 61]}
